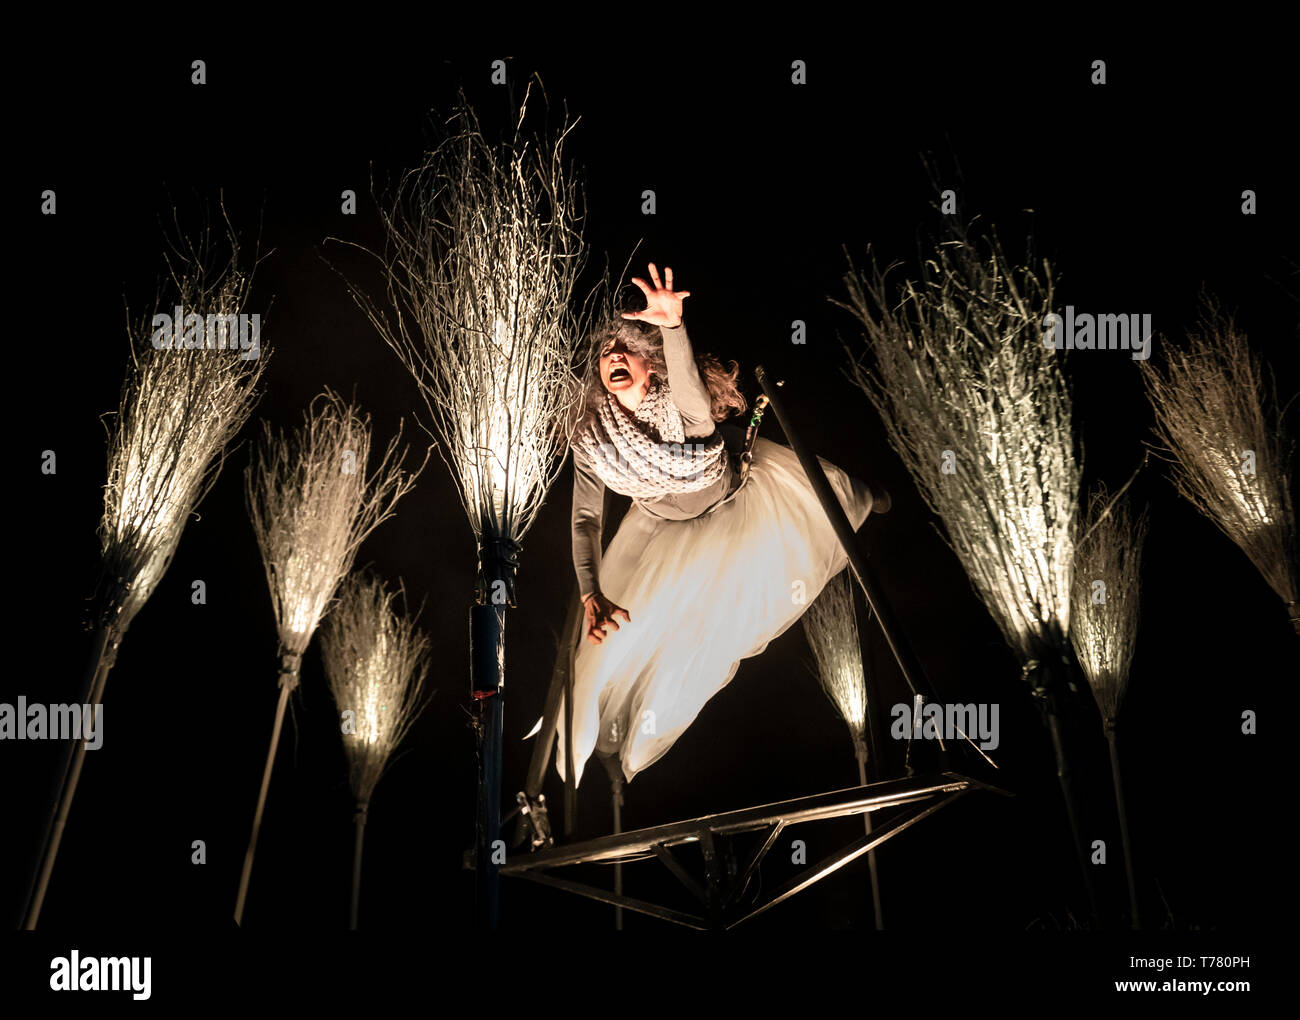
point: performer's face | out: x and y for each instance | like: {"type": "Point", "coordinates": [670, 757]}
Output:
{"type": "Point", "coordinates": [624, 374]}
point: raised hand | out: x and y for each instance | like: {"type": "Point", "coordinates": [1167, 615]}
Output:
{"type": "Point", "coordinates": [599, 612]}
{"type": "Point", "coordinates": [663, 305]}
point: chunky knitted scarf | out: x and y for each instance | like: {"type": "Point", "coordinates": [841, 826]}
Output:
{"type": "Point", "coordinates": [644, 454]}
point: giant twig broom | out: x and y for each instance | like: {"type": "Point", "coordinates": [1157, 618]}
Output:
{"type": "Point", "coordinates": [831, 626]}
{"type": "Point", "coordinates": [376, 662]}
{"type": "Point", "coordinates": [312, 505]}
{"type": "Point", "coordinates": [1103, 628]}
{"type": "Point", "coordinates": [977, 408]}
{"type": "Point", "coordinates": [483, 254]}
{"type": "Point", "coordinates": [182, 402]}
{"type": "Point", "coordinates": [1217, 418]}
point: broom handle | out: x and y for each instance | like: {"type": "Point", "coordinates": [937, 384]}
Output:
{"type": "Point", "coordinates": [1112, 739]}
{"type": "Point", "coordinates": [360, 818]}
{"type": "Point", "coordinates": [1067, 793]}
{"type": "Point", "coordinates": [871, 856]}
{"type": "Point", "coordinates": [103, 655]}
{"type": "Point", "coordinates": [261, 803]}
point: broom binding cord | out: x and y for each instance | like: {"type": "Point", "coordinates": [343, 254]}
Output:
{"type": "Point", "coordinates": [290, 668]}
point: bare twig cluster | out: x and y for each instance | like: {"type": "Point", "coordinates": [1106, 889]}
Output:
{"type": "Point", "coordinates": [312, 504]}
{"type": "Point", "coordinates": [831, 627]}
{"type": "Point", "coordinates": [1216, 416]}
{"type": "Point", "coordinates": [1106, 601]}
{"type": "Point", "coordinates": [483, 253]}
{"type": "Point", "coordinates": [978, 409]}
{"type": "Point", "coordinates": [376, 661]}
{"type": "Point", "coordinates": [179, 409]}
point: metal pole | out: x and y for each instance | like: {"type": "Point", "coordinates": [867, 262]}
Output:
{"type": "Point", "coordinates": [487, 636]}
{"type": "Point", "coordinates": [871, 857]}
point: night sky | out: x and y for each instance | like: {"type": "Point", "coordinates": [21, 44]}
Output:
{"type": "Point", "coordinates": [1132, 190]}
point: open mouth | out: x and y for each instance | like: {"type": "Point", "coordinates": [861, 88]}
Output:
{"type": "Point", "coordinates": [618, 374]}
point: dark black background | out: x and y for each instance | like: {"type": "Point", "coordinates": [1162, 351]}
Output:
{"type": "Point", "coordinates": [1133, 190]}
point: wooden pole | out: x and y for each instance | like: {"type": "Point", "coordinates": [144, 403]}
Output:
{"type": "Point", "coordinates": [1111, 739]}
{"type": "Point", "coordinates": [1045, 696]}
{"type": "Point", "coordinates": [289, 666]}
{"type": "Point", "coordinates": [360, 820]}
{"type": "Point", "coordinates": [104, 647]}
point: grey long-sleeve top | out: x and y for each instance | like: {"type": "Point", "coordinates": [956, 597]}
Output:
{"type": "Point", "coordinates": [691, 397]}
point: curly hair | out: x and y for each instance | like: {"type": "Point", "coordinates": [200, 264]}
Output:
{"type": "Point", "coordinates": [645, 341]}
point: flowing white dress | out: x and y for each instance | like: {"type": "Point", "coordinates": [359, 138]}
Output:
{"type": "Point", "coordinates": [703, 594]}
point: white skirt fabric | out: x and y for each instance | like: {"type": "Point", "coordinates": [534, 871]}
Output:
{"type": "Point", "coordinates": [703, 594]}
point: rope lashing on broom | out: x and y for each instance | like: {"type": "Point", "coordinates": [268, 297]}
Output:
{"type": "Point", "coordinates": [500, 556]}
{"type": "Point", "coordinates": [290, 664]}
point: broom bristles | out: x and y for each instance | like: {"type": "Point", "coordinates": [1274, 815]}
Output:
{"type": "Point", "coordinates": [1215, 407]}
{"type": "Point", "coordinates": [178, 410]}
{"type": "Point", "coordinates": [376, 661]}
{"type": "Point", "coordinates": [978, 410]}
{"type": "Point", "coordinates": [484, 248]}
{"type": "Point", "coordinates": [831, 627]}
{"type": "Point", "coordinates": [1104, 620]}
{"type": "Point", "coordinates": [312, 505]}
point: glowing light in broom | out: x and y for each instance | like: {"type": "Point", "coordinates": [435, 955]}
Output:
{"type": "Point", "coordinates": [484, 251]}
{"type": "Point", "coordinates": [978, 410]}
{"type": "Point", "coordinates": [376, 661]}
{"type": "Point", "coordinates": [831, 626]}
{"type": "Point", "coordinates": [312, 505]}
{"type": "Point", "coordinates": [1107, 574]}
{"type": "Point", "coordinates": [1216, 416]}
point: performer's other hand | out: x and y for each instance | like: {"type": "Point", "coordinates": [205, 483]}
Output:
{"type": "Point", "coordinates": [600, 612]}
{"type": "Point", "coordinates": [663, 306]}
